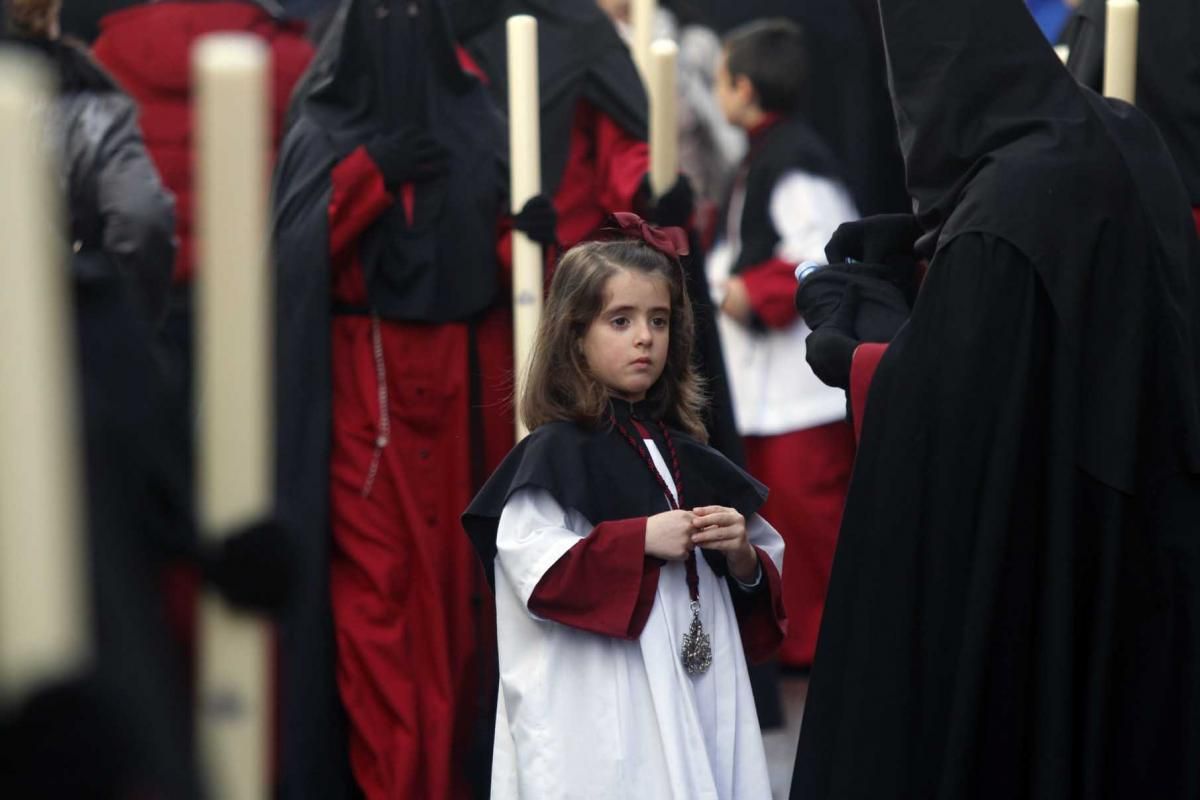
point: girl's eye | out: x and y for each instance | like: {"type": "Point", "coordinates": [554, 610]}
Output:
{"type": "Point", "coordinates": [660, 322]}
{"type": "Point", "coordinates": [620, 322]}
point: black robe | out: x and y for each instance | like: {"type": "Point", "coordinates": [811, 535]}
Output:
{"type": "Point", "coordinates": [1013, 610]}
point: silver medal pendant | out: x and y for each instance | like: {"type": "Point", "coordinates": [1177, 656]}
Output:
{"type": "Point", "coordinates": [697, 647]}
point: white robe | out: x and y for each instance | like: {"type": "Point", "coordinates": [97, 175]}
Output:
{"type": "Point", "coordinates": [588, 716]}
{"type": "Point", "coordinates": [774, 390]}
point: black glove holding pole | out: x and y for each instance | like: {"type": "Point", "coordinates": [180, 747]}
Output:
{"type": "Point", "coordinates": [674, 208]}
{"type": "Point", "coordinates": [253, 568]}
{"type": "Point", "coordinates": [538, 219]}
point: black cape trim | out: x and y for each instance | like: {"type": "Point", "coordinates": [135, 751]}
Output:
{"type": "Point", "coordinates": [597, 473]}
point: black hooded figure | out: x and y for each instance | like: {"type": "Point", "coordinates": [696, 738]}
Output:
{"type": "Point", "coordinates": [1168, 72]}
{"type": "Point", "coordinates": [387, 195]}
{"type": "Point", "coordinates": [1014, 610]}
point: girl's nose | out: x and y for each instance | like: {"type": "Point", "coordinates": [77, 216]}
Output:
{"type": "Point", "coordinates": [643, 334]}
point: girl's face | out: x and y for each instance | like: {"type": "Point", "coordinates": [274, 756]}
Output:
{"type": "Point", "coordinates": [626, 345]}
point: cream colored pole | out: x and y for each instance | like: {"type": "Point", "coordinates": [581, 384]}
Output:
{"type": "Point", "coordinates": [43, 562]}
{"type": "Point", "coordinates": [664, 116]}
{"type": "Point", "coordinates": [234, 396]}
{"type": "Point", "coordinates": [525, 148]}
{"type": "Point", "coordinates": [642, 13]}
{"type": "Point", "coordinates": [1120, 50]}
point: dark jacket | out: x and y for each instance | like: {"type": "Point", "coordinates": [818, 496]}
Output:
{"type": "Point", "coordinates": [121, 219]}
{"type": "Point", "coordinates": [147, 48]}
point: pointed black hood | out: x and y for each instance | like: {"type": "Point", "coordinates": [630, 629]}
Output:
{"type": "Point", "coordinates": [971, 81]}
{"type": "Point", "coordinates": [999, 140]}
{"type": "Point", "coordinates": [376, 66]}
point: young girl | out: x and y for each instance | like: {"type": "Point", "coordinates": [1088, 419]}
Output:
{"type": "Point", "coordinates": [632, 575]}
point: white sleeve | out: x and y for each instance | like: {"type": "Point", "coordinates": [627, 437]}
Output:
{"type": "Point", "coordinates": [762, 535]}
{"type": "Point", "coordinates": [806, 210]}
{"type": "Point", "coordinates": [534, 532]}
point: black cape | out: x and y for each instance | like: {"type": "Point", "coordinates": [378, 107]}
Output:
{"type": "Point", "coordinates": [580, 56]}
{"type": "Point", "coordinates": [597, 473]}
{"type": "Point", "coordinates": [1168, 72]}
{"type": "Point", "coordinates": [1013, 608]}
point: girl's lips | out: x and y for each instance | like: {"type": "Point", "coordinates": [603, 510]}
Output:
{"type": "Point", "coordinates": [641, 362]}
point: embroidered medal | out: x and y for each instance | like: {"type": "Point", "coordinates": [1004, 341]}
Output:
{"type": "Point", "coordinates": [697, 647]}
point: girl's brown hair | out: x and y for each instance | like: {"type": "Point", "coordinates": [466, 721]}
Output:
{"type": "Point", "coordinates": [560, 387]}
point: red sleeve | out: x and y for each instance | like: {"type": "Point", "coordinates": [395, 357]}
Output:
{"type": "Point", "coordinates": [621, 163]}
{"type": "Point", "coordinates": [771, 286]}
{"type": "Point", "coordinates": [862, 370]}
{"type": "Point", "coordinates": [605, 584]}
{"type": "Point", "coordinates": [760, 614]}
{"type": "Point", "coordinates": [1196, 214]}
{"type": "Point", "coordinates": [358, 198]}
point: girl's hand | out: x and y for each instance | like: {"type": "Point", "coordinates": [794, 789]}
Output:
{"type": "Point", "coordinates": [724, 529]}
{"type": "Point", "coordinates": [669, 535]}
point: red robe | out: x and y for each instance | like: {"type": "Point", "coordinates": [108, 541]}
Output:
{"type": "Point", "coordinates": [404, 581]}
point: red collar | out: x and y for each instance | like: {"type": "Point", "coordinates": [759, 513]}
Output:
{"type": "Point", "coordinates": [769, 120]}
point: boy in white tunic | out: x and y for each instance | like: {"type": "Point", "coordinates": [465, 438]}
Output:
{"type": "Point", "coordinates": [632, 574]}
{"type": "Point", "coordinates": [786, 202]}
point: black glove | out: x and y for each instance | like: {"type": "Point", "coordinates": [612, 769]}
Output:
{"type": "Point", "coordinates": [885, 241]}
{"type": "Point", "coordinates": [829, 349]}
{"type": "Point", "coordinates": [672, 209]}
{"type": "Point", "coordinates": [875, 255]}
{"type": "Point", "coordinates": [253, 568]}
{"type": "Point", "coordinates": [409, 154]}
{"type": "Point", "coordinates": [538, 220]}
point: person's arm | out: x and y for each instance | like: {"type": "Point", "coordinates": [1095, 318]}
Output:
{"type": "Point", "coordinates": [598, 580]}
{"type": "Point", "coordinates": [805, 210]}
{"type": "Point", "coordinates": [359, 196]}
{"type": "Point", "coordinates": [137, 213]}
{"type": "Point", "coordinates": [622, 161]}
{"type": "Point", "coordinates": [759, 606]}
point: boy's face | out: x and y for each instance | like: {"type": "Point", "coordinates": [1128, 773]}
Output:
{"type": "Point", "coordinates": [735, 96]}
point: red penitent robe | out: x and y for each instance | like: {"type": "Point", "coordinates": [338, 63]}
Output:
{"type": "Point", "coordinates": [404, 580]}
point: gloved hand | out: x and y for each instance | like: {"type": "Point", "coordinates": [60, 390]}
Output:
{"type": "Point", "coordinates": [406, 155]}
{"type": "Point", "coordinates": [253, 568]}
{"type": "Point", "coordinates": [830, 348]}
{"type": "Point", "coordinates": [538, 220]}
{"type": "Point", "coordinates": [674, 208]}
{"type": "Point", "coordinates": [875, 255]}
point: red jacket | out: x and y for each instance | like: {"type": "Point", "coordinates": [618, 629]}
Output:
{"type": "Point", "coordinates": [147, 48]}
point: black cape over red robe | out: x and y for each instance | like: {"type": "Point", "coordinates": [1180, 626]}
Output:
{"type": "Point", "coordinates": [1014, 608]}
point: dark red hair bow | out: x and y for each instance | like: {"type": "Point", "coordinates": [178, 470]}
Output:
{"type": "Point", "coordinates": [671, 242]}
